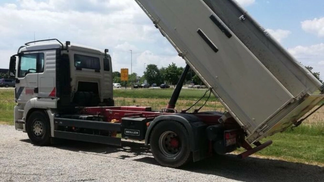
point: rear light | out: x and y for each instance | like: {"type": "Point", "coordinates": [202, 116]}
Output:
{"type": "Point", "coordinates": [230, 138]}
{"type": "Point", "coordinates": [229, 135]}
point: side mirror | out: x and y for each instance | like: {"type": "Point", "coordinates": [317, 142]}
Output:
{"type": "Point", "coordinates": [12, 66]}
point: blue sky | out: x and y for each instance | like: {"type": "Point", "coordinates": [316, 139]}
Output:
{"type": "Point", "coordinates": [288, 15]}
{"type": "Point", "coordinates": [121, 26]}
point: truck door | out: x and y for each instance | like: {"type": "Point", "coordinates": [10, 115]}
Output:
{"type": "Point", "coordinates": [29, 66]}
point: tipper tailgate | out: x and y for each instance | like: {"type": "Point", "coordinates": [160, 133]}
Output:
{"type": "Point", "coordinates": [259, 83]}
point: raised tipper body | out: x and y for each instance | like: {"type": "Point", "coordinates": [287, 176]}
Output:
{"type": "Point", "coordinates": [262, 86]}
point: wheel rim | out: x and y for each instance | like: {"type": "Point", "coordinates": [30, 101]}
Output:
{"type": "Point", "coordinates": [169, 144]}
{"type": "Point", "coordinates": [38, 128]}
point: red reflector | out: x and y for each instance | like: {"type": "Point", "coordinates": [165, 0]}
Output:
{"type": "Point", "coordinates": [230, 135]}
{"type": "Point", "coordinates": [227, 136]}
{"type": "Point", "coordinates": [53, 93]}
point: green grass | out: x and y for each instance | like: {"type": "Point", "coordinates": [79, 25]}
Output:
{"type": "Point", "coordinates": [7, 104]}
{"type": "Point", "coordinates": [308, 129]}
{"type": "Point", "coordinates": [303, 144]}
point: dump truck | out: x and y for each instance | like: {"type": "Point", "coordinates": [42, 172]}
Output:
{"type": "Point", "coordinates": [65, 90]}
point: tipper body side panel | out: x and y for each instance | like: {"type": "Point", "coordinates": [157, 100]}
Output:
{"type": "Point", "coordinates": [257, 81]}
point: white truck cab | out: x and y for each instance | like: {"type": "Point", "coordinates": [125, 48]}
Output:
{"type": "Point", "coordinates": [55, 77]}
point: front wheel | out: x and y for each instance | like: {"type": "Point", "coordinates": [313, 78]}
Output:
{"type": "Point", "coordinates": [170, 144]}
{"type": "Point", "coordinates": [38, 128]}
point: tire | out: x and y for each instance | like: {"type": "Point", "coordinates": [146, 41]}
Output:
{"type": "Point", "coordinates": [170, 144]}
{"type": "Point", "coordinates": [38, 128]}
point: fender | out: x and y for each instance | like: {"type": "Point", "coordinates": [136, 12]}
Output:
{"type": "Point", "coordinates": [36, 103]}
{"type": "Point", "coordinates": [42, 104]}
{"type": "Point", "coordinates": [195, 128]}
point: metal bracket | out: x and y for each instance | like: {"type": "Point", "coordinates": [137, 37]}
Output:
{"type": "Point", "coordinates": [254, 150]}
{"type": "Point", "coordinates": [242, 18]}
{"type": "Point", "coordinates": [262, 129]}
{"type": "Point", "coordinates": [156, 23]}
{"type": "Point", "coordinates": [225, 116]}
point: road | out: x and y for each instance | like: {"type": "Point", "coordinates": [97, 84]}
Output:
{"type": "Point", "coordinates": [78, 161]}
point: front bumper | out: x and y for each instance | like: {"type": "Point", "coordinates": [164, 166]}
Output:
{"type": "Point", "coordinates": [20, 126]}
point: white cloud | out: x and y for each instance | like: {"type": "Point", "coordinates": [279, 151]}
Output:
{"type": "Point", "coordinates": [10, 6]}
{"type": "Point", "coordinates": [113, 24]}
{"type": "Point", "coordinates": [5, 57]}
{"type": "Point", "coordinates": [33, 5]}
{"type": "Point", "coordinates": [279, 34]}
{"type": "Point", "coordinates": [76, 5]}
{"type": "Point", "coordinates": [315, 26]}
{"type": "Point", "coordinates": [310, 56]}
{"type": "Point", "coordinates": [148, 57]}
{"type": "Point", "coordinates": [245, 2]}
{"type": "Point", "coordinates": [126, 46]}
{"type": "Point", "coordinates": [321, 63]}
{"type": "Point", "coordinates": [308, 52]}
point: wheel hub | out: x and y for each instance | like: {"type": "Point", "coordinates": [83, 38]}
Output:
{"type": "Point", "coordinates": [38, 128]}
{"type": "Point", "coordinates": [169, 144]}
{"type": "Point", "coordinates": [174, 143]}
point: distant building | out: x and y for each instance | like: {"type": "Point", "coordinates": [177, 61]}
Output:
{"type": "Point", "coordinates": [3, 72]}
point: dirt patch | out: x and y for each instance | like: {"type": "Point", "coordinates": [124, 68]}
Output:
{"type": "Point", "coordinates": [317, 118]}
{"type": "Point", "coordinates": [4, 123]}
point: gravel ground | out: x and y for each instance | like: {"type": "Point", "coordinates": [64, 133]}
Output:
{"type": "Point", "coordinates": [78, 161]}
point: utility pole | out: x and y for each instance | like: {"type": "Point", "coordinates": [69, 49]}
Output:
{"type": "Point", "coordinates": [131, 61]}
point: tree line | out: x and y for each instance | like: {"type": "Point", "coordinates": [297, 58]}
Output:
{"type": "Point", "coordinates": [152, 74]}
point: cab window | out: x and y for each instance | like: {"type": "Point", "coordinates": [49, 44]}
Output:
{"type": "Point", "coordinates": [31, 63]}
{"type": "Point", "coordinates": [88, 62]}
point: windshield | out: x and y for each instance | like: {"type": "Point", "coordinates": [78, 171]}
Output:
{"type": "Point", "coordinates": [31, 63]}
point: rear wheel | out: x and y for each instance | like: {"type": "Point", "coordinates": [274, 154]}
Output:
{"type": "Point", "coordinates": [38, 128]}
{"type": "Point", "coordinates": [169, 144]}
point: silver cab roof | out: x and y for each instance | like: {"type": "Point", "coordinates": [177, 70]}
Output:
{"type": "Point", "coordinates": [56, 44]}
